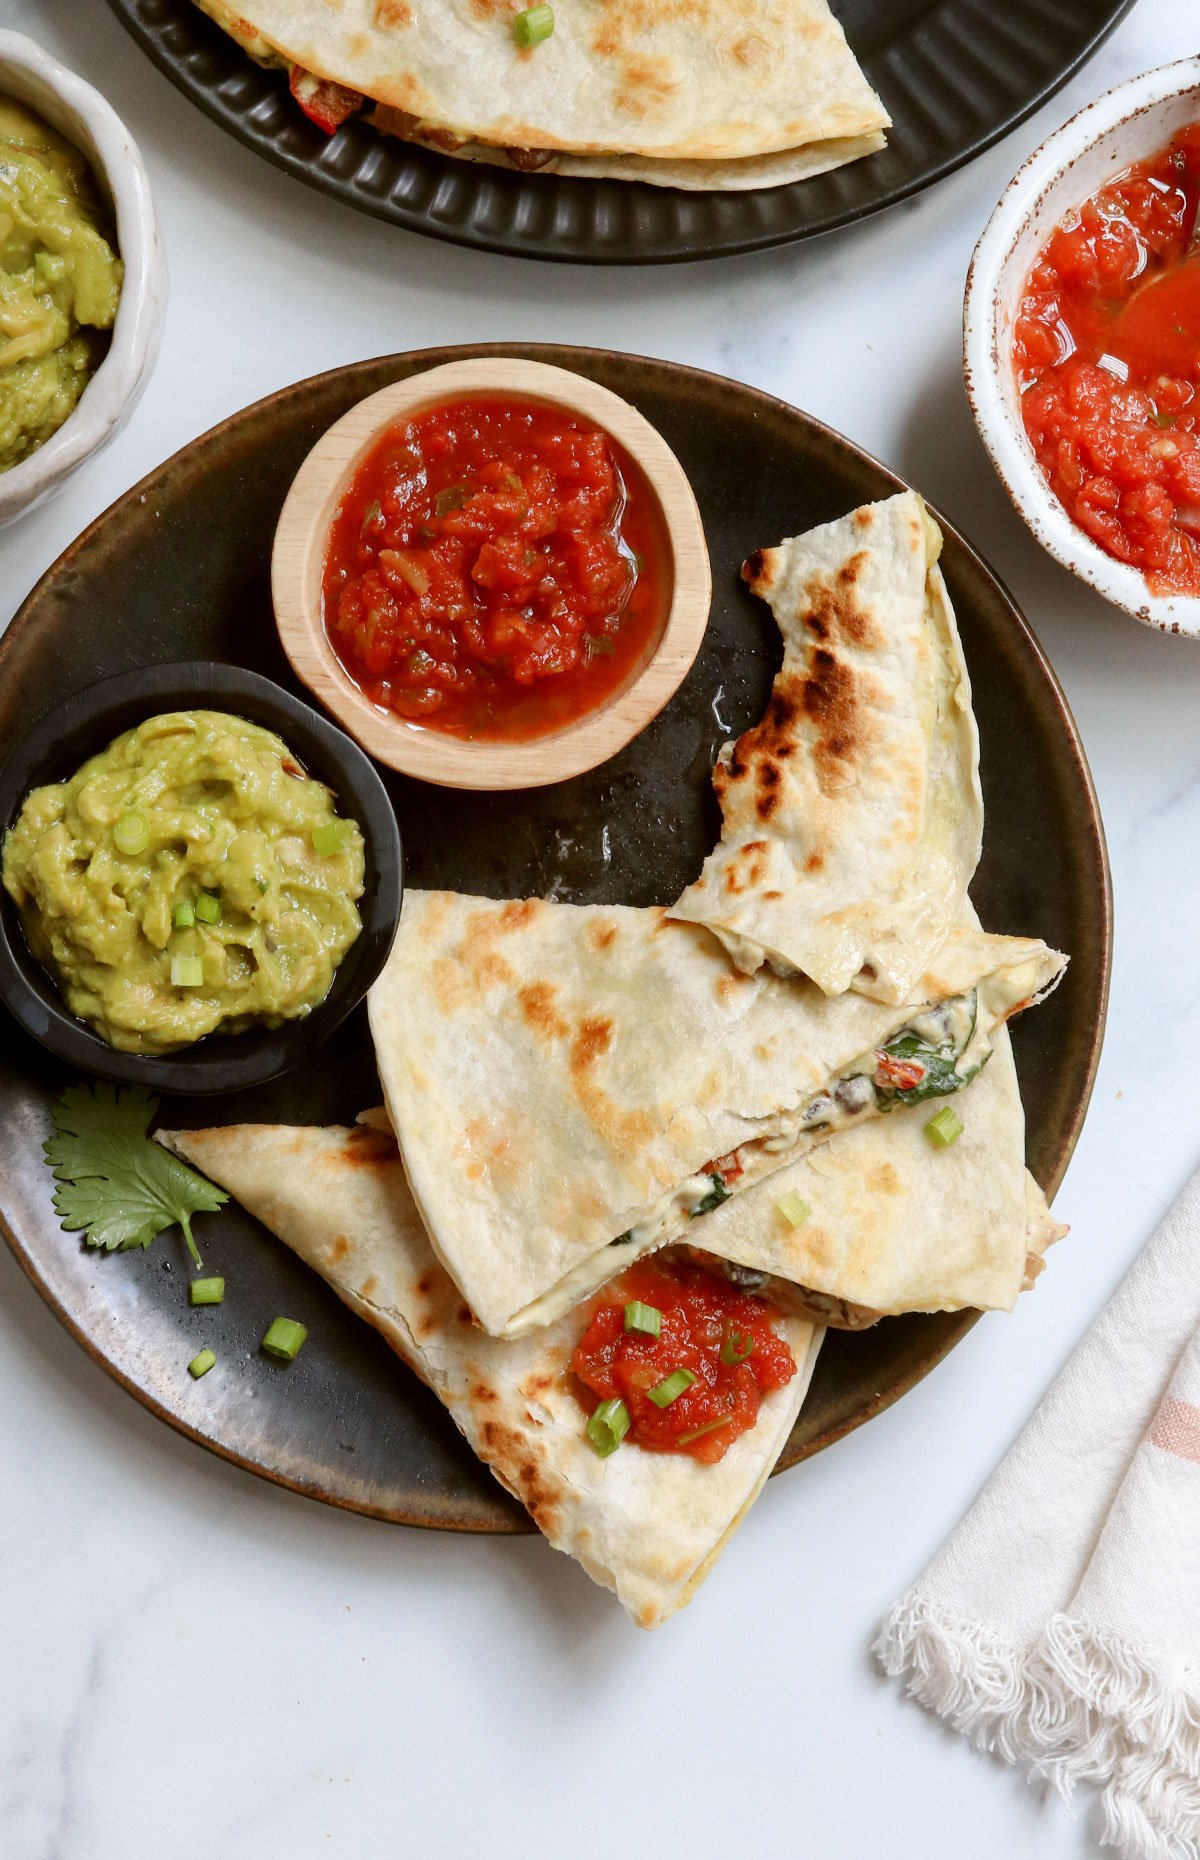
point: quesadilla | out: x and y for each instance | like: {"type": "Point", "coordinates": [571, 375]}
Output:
{"type": "Point", "coordinates": [707, 94]}
{"type": "Point", "coordinates": [572, 1086]}
{"type": "Point", "coordinates": [895, 1224]}
{"type": "Point", "coordinates": [852, 813]}
{"type": "Point", "coordinates": [649, 1525]}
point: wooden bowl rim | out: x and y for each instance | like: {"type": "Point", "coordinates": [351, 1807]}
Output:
{"type": "Point", "coordinates": [297, 559]}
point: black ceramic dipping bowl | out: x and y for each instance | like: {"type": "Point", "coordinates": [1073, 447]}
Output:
{"type": "Point", "coordinates": [65, 738]}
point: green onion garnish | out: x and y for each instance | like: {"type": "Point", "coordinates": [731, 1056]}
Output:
{"type": "Point", "coordinates": [200, 1365]}
{"type": "Point", "coordinates": [187, 972]}
{"type": "Point", "coordinates": [185, 916]}
{"type": "Point", "coordinates": [208, 908]}
{"type": "Point", "coordinates": [646, 1318]}
{"type": "Point", "coordinates": [533, 25]}
{"type": "Point", "coordinates": [132, 833]}
{"type": "Point", "coordinates": [284, 1338]}
{"type": "Point", "coordinates": [331, 837]}
{"type": "Point", "coordinates": [710, 1427]}
{"type": "Point", "coordinates": [672, 1388]}
{"type": "Point", "coordinates": [737, 1346]}
{"type": "Point", "coordinates": [946, 1128]}
{"type": "Point", "coordinates": [793, 1208]}
{"type": "Point", "coordinates": [608, 1426]}
{"type": "Point", "coordinates": [206, 1291]}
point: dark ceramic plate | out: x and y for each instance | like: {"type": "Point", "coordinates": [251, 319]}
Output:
{"type": "Point", "coordinates": [954, 75]}
{"type": "Point", "coordinates": [180, 567]}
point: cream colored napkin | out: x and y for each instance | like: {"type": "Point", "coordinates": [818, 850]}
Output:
{"type": "Point", "coordinates": [1060, 1625]}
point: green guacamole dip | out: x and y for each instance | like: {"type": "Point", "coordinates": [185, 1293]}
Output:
{"type": "Point", "coordinates": [59, 281]}
{"type": "Point", "coordinates": [190, 877]}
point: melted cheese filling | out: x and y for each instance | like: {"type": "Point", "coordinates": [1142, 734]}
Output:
{"type": "Point", "coordinates": [961, 1023]}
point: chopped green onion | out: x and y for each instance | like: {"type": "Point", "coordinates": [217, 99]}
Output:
{"type": "Point", "coordinates": [208, 908]}
{"type": "Point", "coordinates": [646, 1318]}
{"type": "Point", "coordinates": [206, 1291]}
{"type": "Point", "coordinates": [793, 1208]}
{"type": "Point", "coordinates": [332, 836]}
{"type": "Point", "coordinates": [284, 1338]}
{"type": "Point", "coordinates": [132, 833]}
{"type": "Point", "coordinates": [533, 25]}
{"type": "Point", "coordinates": [453, 499]}
{"type": "Point", "coordinates": [371, 514]}
{"type": "Point", "coordinates": [200, 1365]}
{"type": "Point", "coordinates": [185, 916]}
{"type": "Point", "coordinates": [187, 972]}
{"type": "Point", "coordinates": [946, 1128]}
{"type": "Point", "coordinates": [710, 1427]}
{"type": "Point", "coordinates": [608, 1426]}
{"type": "Point", "coordinates": [737, 1346]}
{"type": "Point", "coordinates": [264, 884]}
{"type": "Point", "coordinates": [672, 1388]}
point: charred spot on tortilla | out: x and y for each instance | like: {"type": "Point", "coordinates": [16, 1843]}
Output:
{"type": "Point", "coordinates": [602, 936]}
{"type": "Point", "coordinates": [393, 14]}
{"type": "Point", "coordinates": [831, 700]}
{"type": "Point", "coordinates": [755, 568]}
{"type": "Point", "coordinates": [593, 1039]}
{"type": "Point", "coordinates": [767, 799]}
{"type": "Point", "coordinates": [536, 1001]}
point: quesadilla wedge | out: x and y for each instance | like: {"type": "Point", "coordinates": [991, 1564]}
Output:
{"type": "Point", "coordinates": [704, 94]}
{"type": "Point", "coordinates": [852, 813]}
{"type": "Point", "coordinates": [649, 1525]}
{"type": "Point", "coordinates": [572, 1086]}
{"type": "Point", "coordinates": [894, 1223]}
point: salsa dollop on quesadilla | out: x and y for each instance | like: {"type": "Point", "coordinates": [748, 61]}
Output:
{"type": "Point", "coordinates": [680, 1359]}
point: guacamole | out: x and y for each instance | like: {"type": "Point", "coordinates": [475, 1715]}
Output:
{"type": "Point", "coordinates": [190, 877]}
{"type": "Point", "coordinates": [59, 281]}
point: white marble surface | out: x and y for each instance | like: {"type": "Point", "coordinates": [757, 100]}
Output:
{"type": "Point", "coordinates": [197, 1664]}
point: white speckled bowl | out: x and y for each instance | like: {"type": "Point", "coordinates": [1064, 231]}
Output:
{"type": "Point", "coordinates": [80, 113]}
{"type": "Point", "coordinates": [1123, 127]}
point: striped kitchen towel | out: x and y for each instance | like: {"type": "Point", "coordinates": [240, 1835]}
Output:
{"type": "Point", "coordinates": [1059, 1626]}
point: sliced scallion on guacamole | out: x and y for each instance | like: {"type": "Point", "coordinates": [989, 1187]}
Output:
{"type": "Point", "coordinates": [173, 885]}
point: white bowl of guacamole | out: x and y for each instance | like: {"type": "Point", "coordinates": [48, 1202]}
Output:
{"type": "Point", "coordinates": [64, 400]}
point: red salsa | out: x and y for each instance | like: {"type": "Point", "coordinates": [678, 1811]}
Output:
{"type": "Point", "coordinates": [722, 1339]}
{"type": "Point", "coordinates": [495, 569]}
{"type": "Point", "coordinates": [1107, 353]}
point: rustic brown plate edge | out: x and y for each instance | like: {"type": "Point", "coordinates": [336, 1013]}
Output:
{"type": "Point", "coordinates": [956, 1330]}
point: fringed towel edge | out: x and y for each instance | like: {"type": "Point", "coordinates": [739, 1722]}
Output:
{"type": "Point", "coordinates": [1078, 1705]}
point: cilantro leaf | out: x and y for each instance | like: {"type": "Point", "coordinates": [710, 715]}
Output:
{"type": "Point", "coordinates": [114, 1184]}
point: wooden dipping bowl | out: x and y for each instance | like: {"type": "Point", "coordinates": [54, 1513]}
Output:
{"type": "Point", "coordinates": [298, 560]}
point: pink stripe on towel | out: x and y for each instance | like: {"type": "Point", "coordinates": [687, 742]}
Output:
{"type": "Point", "coordinates": [1176, 1429]}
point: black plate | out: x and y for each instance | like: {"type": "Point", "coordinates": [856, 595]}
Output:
{"type": "Point", "coordinates": [954, 74]}
{"type": "Point", "coordinates": [180, 565]}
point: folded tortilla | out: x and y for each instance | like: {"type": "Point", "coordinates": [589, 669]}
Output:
{"type": "Point", "coordinates": [709, 94]}
{"type": "Point", "coordinates": [897, 1224]}
{"type": "Point", "coordinates": [562, 1077]}
{"type": "Point", "coordinates": [852, 813]}
{"type": "Point", "coordinates": [648, 1525]}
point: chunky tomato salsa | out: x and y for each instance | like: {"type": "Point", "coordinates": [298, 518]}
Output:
{"type": "Point", "coordinates": [677, 1359]}
{"type": "Point", "coordinates": [1107, 352]}
{"type": "Point", "coordinates": [495, 570]}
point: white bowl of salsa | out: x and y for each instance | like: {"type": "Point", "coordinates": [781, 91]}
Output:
{"type": "Point", "coordinates": [1082, 345]}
